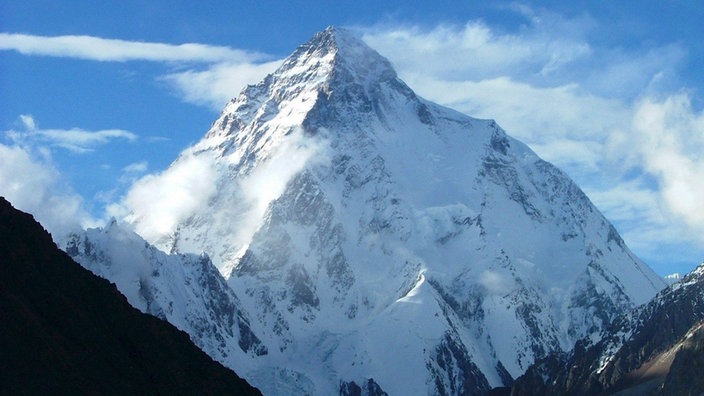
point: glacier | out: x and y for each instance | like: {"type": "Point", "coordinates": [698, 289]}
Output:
{"type": "Point", "coordinates": [357, 235]}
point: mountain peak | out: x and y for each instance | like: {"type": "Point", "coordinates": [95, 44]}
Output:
{"type": "Point", "coordinates": [332, 37]}
{"type": "Point", "coordinates": [341, 52]}
{"type": "Point", "coordinates": [337, 40]}
{"type": "Point", "coordinates": [333, 74]}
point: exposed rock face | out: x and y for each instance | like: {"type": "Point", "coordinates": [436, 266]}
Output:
{"type": "Point", "coordinates": [685, 375]}
{"type": "Point", "coordinates": [372, 234]}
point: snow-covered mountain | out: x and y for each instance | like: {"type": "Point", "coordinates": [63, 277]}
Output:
{"type": "Point", "coordinates": [375, 241]}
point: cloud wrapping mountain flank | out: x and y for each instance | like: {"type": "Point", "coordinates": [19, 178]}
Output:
{"type": "Point", "coordinates": [159, 201]}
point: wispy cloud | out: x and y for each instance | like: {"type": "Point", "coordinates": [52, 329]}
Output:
{"type": "Point", "coordinates": [208, 75]}
{"type": "Point", "coordinates": [30, 180]}
{"type": "Point", "coordinates": [112, 50]}
{"type": "Point", "coordinates": [136, 167]}
{"type": "Point", "coordinates": [74, 139]}
{"type": "Point", "coordinates": [669, 142]}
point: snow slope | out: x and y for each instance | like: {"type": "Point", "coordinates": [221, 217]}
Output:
{"type": "Point", "coordinates": [370, 234]}
{"type": "Point", "coordinates": [184, 289]}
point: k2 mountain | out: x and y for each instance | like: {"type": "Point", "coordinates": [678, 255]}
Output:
{"type": "Point", "coordinates": [373, 241]}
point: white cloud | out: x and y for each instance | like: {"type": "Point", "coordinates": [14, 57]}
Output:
{"type": "Point", "coordinates": [136, 167]}
{"type": "Point", "coordinates": [661, 208]}
{"type": "Point", "coordinates": [32, 184]}
{"type": "Point", "coordinates": [28, 122]}
{"type": "Point", "coordinates": [444, 42]}
{"type": "Point", "coordinates": [157, 202]}
{"type": "Point", "coordinates": [74, 139]}
{"type": "Point", "coordinates": [102, 49]}
{"type": "Point", "coordinates": [130, 174]}
{"type": "Point", "coordinates": [268, 181]}
{"type": "Point", "coordinates": [475, 52]}
{"type": "Point", "coordinates": [669, 142]}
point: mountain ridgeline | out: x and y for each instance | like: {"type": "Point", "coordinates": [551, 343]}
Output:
{"type": "Point", "coordinates": [64, 330]}
{"type": "Point", "coordinates": [362, 240]}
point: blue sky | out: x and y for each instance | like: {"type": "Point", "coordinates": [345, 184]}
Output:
{"type": "Point", "coordinates": [96, 95]}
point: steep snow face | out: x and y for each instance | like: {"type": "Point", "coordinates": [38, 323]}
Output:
{"type": "Point", "coordinates": [186, 290]}
{"type": "Point", "coordinates": [374, 237]}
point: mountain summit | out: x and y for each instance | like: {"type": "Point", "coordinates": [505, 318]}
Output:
{"type": "Point", "coordinates": [379, 242]}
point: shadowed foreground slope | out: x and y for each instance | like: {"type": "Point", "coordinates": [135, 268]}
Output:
{"type": "Point", "coordinates": [65, 331]}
